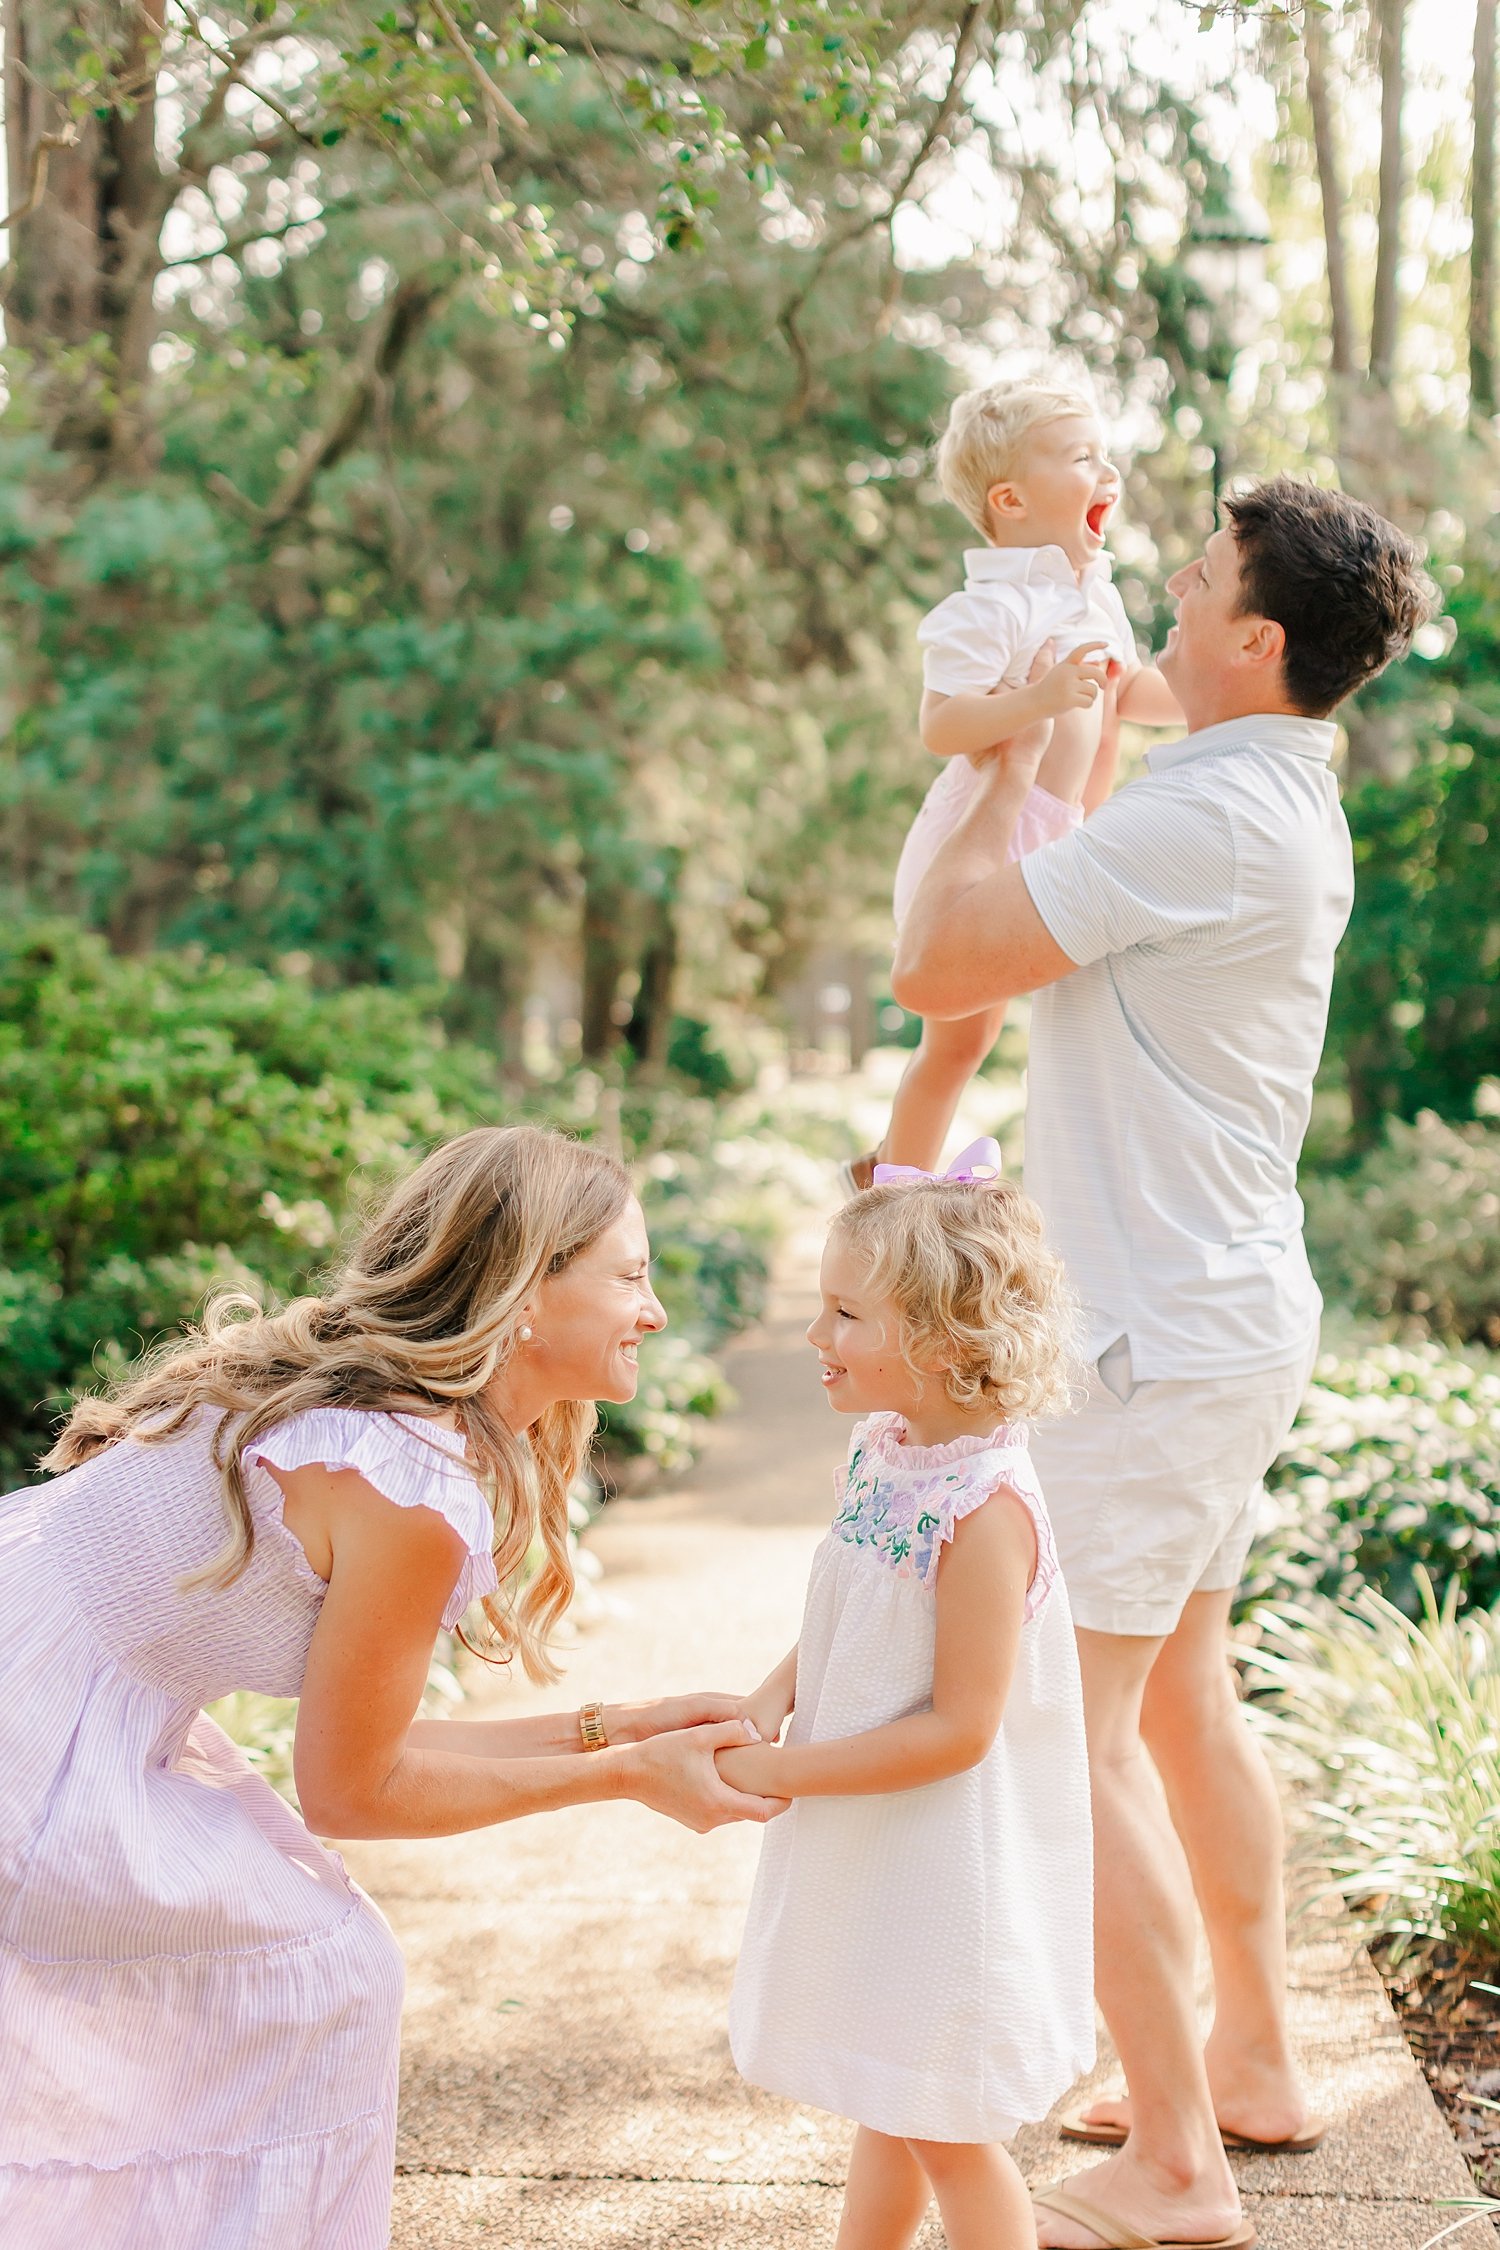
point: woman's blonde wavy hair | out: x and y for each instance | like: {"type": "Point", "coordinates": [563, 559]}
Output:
{"type": "Point", "coordinates": [981, 1298]}
{"type": "Point", "coordinates": [416, 1320]}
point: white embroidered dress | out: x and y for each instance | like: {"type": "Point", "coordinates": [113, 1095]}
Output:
{"type": "Point", "coordinates": [1014, 600]}
{"type": "Point", "coordinates": [199, 2011]}
{"type": "Point", "coordinates": [923, 1962]}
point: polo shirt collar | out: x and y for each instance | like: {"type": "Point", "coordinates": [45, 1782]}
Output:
{"type": "Point", "coordinates": [1032, 566]}
{"type": "Point", "coordinates": [1264, 730]}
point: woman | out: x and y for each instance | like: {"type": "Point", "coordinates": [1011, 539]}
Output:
{"type": "Point", "coordinates": [199, 2011]}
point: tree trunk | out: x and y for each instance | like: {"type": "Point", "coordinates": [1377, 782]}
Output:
{"type": "Point", "coordinates": [1385, 317]}
{"type": "Point", "coordinates": [650, 1028]}
{"type": "Point", "coordinates": [1331, 191]}
{"type": "Point", "coordinates": [1482, 214]}
{"type": "Point", "coordinates": [603, 940]}
{"type": "Point", "coordinates": [84, 262]}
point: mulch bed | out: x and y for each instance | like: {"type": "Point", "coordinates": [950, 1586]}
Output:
{"type": "Point", "coordinates": [1453, 2029]}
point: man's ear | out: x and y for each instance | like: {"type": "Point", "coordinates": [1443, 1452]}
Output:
{"type": "Point", "coordinates": [1264, 643]}
{"type": "Point", "coordinates": [1007, 501]}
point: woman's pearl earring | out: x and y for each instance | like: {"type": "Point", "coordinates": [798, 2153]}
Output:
{"type": "Point", "coordinates": [523, 1335]}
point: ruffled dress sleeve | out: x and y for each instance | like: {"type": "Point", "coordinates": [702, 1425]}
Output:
{"type": "Point", "coordinates": [1009, 1464]}
{"type": "Point", "coordinates": [409, 1460]}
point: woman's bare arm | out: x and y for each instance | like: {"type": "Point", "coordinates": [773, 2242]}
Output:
{"type": "Point", "coordinates": [555, 1734]}
{"type": "Point", "coordinates": [358, 1773]}
{"type": "Point", "coordinates": [981, 1601]}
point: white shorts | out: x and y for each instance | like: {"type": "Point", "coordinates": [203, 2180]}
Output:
{"type": "Point", "coordinates": [1155, 1489]}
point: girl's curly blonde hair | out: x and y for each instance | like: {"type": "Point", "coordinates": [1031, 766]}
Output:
{"type": "Point", "coordinates": [983, 1304]}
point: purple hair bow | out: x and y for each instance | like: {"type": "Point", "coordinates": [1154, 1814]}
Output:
{"type": "Point", "coordinates": [973, 1166]}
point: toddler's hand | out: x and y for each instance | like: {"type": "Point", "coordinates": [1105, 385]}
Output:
{"type": "Point", "coordinates": [1073, 684]}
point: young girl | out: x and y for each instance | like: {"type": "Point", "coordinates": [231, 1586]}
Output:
{"type": "Point", "coordinates": [918, 1953]}
{"type": "Point", "coordinates": [1028, 467]}
{"type": "Point", "coordinates": [201, 2011]}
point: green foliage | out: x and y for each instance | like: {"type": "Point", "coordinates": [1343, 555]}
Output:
{"type": "Point", "coordinates": [1415, 1022]}
{"type": "Point", "coordinates": [1393, 1723]}
{"type": "Point", "coordinates": [174, 1124]}
{"type": "Point", "coordinates": [697, 1055]}
{"type": "Point", "coordinates": [1412, 1233]}
{"type": "Point", "coordinates": [1392, 1470]}
{"type": "Point", "coordinates": [680, 1385]}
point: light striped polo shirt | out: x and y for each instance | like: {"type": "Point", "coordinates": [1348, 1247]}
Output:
{"type": "Point", "coordinates": [1170, 1078]}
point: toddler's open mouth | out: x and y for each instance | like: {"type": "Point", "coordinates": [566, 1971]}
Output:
{"type": "Point", "coordinates": [1098, 516]}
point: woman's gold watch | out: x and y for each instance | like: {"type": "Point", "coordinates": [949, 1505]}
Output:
{"type": "Point", "coordinates": [591, 1727]}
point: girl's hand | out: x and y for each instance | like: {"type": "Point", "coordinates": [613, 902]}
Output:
{"type": "Point", "coordinates": [667, 1714]}
{"type": "Point", "coordinates": [767, 1710]}
{"type": "Point", "coordinates": [675, 1774]}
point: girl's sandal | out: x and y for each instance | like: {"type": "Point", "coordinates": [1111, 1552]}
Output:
{"type": "Point", "coordinates": [1115, 2235]}
{"type": "Point", "coordinates": [1074, 2125]}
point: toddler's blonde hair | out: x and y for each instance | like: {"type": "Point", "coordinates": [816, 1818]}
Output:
{"type": "Point", "coordinates": [986, 430]}
{"type": "Point", "coordinates": [982, 1301]}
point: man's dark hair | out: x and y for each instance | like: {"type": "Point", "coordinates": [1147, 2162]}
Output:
{"type": "Point", "coordinates": [1346, 587]}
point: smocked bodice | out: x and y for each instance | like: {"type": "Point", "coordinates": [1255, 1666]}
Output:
{"type": "Point", "coordinates": [126, 1528]}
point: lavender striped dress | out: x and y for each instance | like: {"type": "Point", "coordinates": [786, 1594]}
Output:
{"type": "Point", "coordinates": [199, 2012]}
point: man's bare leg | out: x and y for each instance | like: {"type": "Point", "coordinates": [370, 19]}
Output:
{"type": "Point", "coordinates": [1172, 2177]}
{"type": "Point", "coordinates": [1226, 1809]}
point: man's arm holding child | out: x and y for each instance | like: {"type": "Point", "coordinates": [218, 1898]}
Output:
{"type": "Point", "coordinates": [982, 1579]}
{"type": "Point", "coordinates": [971, 938]}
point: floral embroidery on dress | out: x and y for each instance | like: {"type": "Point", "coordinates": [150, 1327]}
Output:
{"type": "Point", "coordinates": [902, 1501]}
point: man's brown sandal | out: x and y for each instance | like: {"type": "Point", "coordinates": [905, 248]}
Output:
{"type": "Point", "coordinates": [1115, 2235]}
{"type": "Point", "coordinates": [859, 1172]}
{"type": "Point", "coordinates": [1074, 2126]}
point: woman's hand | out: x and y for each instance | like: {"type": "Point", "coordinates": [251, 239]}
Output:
{"type": "Point", "coordinates": [675, 1774]}
{"type": "Point", "coordinates": [667, 1714]}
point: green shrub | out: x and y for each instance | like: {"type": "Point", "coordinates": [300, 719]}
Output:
{"type": "Point", "coordinates": [698, 1053]}
{"type": "Point", "coordinates": [173, 1123]}
{"type": "Point", "coordinates": [1413, 1233]}
{"type": "Point", "coordinates": [1415, 1020]}
{"type": "Point", "coordinates": [1392, 1470]}
{"type": "Point", "coordinates": [679, 1387]}
{"type": "Point", "coordinates": [1394, 1725]}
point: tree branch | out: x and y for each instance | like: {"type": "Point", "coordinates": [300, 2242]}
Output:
{"type": "Point", "coordinates": [502, 109]}
{"type": "Point", "coordinates": [36, 186]}
{"type": "Point", "coordinates": [866, 222]}
{"type": "Point", "coordinates": [383, 350]}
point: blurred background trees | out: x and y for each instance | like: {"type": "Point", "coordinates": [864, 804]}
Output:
{"type": "Point", "coordinates": [465, 489]}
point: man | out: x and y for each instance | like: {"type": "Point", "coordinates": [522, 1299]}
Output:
{"type": "Point", "coordinates": [1181, 947]}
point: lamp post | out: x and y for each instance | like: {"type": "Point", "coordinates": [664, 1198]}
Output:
{"type": "Point", "coordinates": [1224, 258]}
